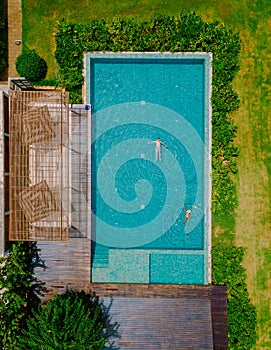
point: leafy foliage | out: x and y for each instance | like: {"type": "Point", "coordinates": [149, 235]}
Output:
{"type": "Point", "coordinates": [69, 321]}
{"type": "Point", "coordinates": [19, 292]}
{"type": "Point", "coordinates": [31, 66]}
{"type": "Point", "coordinates": [45, 82]}
{"type": "Point", "coordinates": [3, 38]}
{"type": "Point", "coordinates": [228, 270]}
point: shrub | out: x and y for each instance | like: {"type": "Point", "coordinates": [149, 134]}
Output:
{"type": "Point", "coordinates": [69, 321]}
{"type": "Point", "coordinates": [3, 38]}
{"type": "Point", "coordinates": [45, 82]}
{"type": "Point", "coordinates": [19, 292]}
{"type": "Point", "coordinates": [242, 317]}
{"type": "Point", "coordinates": [31, 66]}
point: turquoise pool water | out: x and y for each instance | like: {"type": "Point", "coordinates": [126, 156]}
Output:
{"type": "Point", "coordinates": [138, 201]}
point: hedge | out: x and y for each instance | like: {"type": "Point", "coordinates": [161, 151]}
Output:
{"type": "Point", "coordinates": [3, 38]}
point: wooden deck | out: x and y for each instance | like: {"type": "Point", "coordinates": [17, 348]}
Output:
{"type": "Point", "coordinates": [148, 316]}
{"type": "Point", "coordinates": [167, 316]}
{"type": "Point", "coordinates": [67, 265]}
{"type": "Point", "coordinates": [80, 172]}
{"type": "Point", "coordinates": [151, 291]}
{"type": "Point", "coordinates": [219, 317]}
{"type": "Point", "coordinates": [164, 323]}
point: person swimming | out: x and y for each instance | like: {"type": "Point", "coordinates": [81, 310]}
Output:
{"type": "Point", "coordinates": [187, 214]}
{"type": "Point", "coordinates": [158, 144]}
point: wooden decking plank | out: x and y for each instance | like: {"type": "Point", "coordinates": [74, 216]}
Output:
{"type": "Point", "coordinates": [219, 317]}
{"type": "Point", "coordinates": [65, 263]}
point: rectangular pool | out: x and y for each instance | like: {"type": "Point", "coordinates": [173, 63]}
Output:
{"type": "Point", "coordinates": [150, 199]}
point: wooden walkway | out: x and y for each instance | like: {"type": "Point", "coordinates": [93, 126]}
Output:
{"type": "Point", "coordinates": [80, 172]}
{"type": "Point", "coordinates": [219, 317]}
{"type": "Point", "coordinates": [67, 265]}
{"type": "Point", "coordinates": [167, 316]}
{"type": "Point", "coordinates": [216, 295]}
{"type": "Point", "coordinates": [151, 291]}
{"type": "Point", "coordinates": [164, 323]}
{"type": "Point", "coordinates": [14, 33]}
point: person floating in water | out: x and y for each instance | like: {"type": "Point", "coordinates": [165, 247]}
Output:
{"type": "Point", "coordinates": [158, 144]}
{"type": "Point", "coordinates": [187, 214]}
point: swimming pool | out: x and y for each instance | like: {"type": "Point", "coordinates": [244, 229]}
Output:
{"type": "Point", "coordinates": [138, 230]}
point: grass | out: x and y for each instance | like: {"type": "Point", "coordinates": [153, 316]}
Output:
{"type": "Point", "coordinates": [253, 224]}
{"type": "Point", "coordinates": [40, 18]}
{"type": "Point", "coordinates": [252, 20]}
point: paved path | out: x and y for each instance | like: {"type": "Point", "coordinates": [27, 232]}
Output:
{"type": "Point", "coordinates": [14, 33]}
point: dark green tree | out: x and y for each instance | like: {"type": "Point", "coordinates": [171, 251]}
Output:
{"type": "Point", "coordinates": [31, 66]}
{"type": "Point", "coordinates": [19, 292]}
{"type": "Point", "coordinates": [74, 320]}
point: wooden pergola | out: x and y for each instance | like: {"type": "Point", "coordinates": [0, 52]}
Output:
{"type": "Point", "coordinates": [39, 165]}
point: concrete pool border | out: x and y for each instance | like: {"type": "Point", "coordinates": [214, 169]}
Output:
{"type": "Point", "coordinates": [207, 57]}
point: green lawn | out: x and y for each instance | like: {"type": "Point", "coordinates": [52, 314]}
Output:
{"type": "Point", "coordinates": [253, 21]}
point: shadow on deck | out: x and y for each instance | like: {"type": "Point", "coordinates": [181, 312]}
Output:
{"type": "Point", "coordinates": [66, 265]}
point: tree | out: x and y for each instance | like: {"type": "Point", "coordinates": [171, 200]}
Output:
{"type": "Point", "coordinates": [19, 292]}
{"type": "Point", "coordinates": [74, 320]}
{"type": "Point", "coordinates": [31, 66]}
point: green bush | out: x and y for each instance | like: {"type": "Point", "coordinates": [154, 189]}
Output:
{"type": "Point", "coordinates": [20, 292]}
{"type": "Point", "coordinates": [3, 38]}
{"type": "Point", "coordinates": [31, 66]}
{"type": "Point", "coordinates": [242, 318]}
{"type": "Point", "coordinates": [69, 321]}
{"type": "Point", "coordinates": [45, 82]}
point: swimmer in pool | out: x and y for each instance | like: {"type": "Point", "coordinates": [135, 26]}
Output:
{"type": "Point", "coordinates": [187, 214]}
{"type": "Point", "coordinates": [158, 144]}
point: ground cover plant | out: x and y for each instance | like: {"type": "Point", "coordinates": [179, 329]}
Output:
{"type": "Point", "coordinates": [249, 224]}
